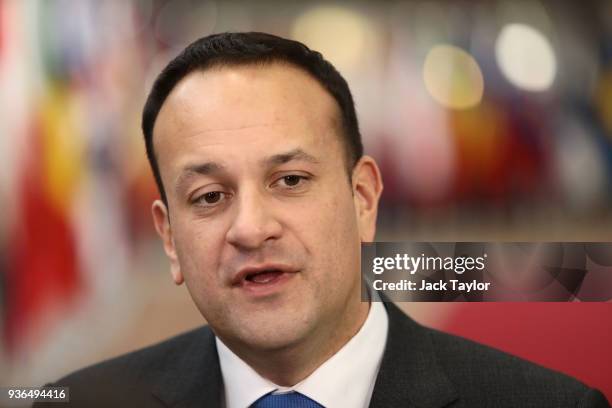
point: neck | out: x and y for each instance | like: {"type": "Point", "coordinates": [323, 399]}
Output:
{"type": "Point", "coordinates": [290, 365]}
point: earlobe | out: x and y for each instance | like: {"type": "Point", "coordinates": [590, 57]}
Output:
{"type": "Point", "coordinates": [367, 188]}
{"type": "Point", "coordinates": [161, 220]}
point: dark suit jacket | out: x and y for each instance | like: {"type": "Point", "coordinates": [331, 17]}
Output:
{"type": "Point", "coordinates": [421, 367]}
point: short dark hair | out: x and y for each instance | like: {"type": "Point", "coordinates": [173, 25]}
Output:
{"type": "Point", "coordinates": [231, 49]}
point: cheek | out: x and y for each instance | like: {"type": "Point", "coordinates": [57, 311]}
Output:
{"type": "Point", "coordinates": [198, 247]}
{"type": "Point", "coordinates": [331, 236]}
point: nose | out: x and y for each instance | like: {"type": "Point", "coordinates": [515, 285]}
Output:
{"type": "Point", "coordinates": [254, 222]}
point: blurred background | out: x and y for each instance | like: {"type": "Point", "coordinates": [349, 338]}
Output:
{"type": "Point", "coordinates": [490, 120]}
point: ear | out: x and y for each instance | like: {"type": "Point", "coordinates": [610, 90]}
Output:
{"type": "Point", "coordinates": [367, 187]}
{"type": "Point", "coordinates": [161, 219]}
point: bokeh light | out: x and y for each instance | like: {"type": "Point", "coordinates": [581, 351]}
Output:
{"type": "Point", "coordinates": [580, 165]}
{"type": "Point", "coordinates": [341, 34]}
{"type": "Point", "coordinates": [526, 57]}
{"type": "Point", "coordinates": [453, 77]}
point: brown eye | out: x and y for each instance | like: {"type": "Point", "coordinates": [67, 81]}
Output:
{"type": "Point", "coordinates": [292, 181]}
{"type": "Point", "coordinates": [211, 200]}
{"type": "Point", "coordinates": [212, 197]}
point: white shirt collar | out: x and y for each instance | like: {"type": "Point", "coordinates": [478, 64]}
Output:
{"type": "Point", "coordinates": [346, 379]}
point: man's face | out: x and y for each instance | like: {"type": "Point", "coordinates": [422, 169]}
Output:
{"type": "Point", "coordinates": [264, 224]}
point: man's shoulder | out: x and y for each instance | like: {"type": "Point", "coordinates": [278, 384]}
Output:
{"type": "Point", "coordinates": [460, 356]}
{"type": "Point", "coordinates": [132, 378]}
{"type": "Point", "coordinates": [497, 375]}
{"type": "Point", "coordinates": [151, 360]}
{"type": "Point", "coordinates": [484, 376]}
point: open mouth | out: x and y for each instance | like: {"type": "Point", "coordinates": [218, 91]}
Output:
{"type": "Point", "coordinates": [264, 277]}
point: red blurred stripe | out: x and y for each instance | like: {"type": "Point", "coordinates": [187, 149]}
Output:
{"type": "Point", "coordinates": [42, 258]}
{"type": "Point", "coordinates": [574, 338]}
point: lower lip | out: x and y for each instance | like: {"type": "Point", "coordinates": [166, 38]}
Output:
{"type": "Point", "coordinates": [267, 288]}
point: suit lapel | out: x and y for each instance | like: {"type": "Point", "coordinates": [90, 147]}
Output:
{"type": "Point", "coordinates": [410, 375]}
{"type": "Point", "coordinates": [194, 378]}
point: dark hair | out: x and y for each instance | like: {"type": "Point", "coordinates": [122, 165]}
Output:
{"type": "Point", "coordinates": [243, 49]}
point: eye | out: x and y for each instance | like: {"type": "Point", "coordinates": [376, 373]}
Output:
{"type": "Point", "coordinates": [210, 199]}
{"type": "Point", "coordinates": [292, 180]}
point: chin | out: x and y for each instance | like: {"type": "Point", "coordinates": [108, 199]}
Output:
{"type": "Point", "coordinates": [272, 338]}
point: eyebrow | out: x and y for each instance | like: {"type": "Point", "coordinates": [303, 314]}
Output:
{"type": "Point", "coordinates": [203, 169]}
{"type": "Point", "coordinates": [292, 155]}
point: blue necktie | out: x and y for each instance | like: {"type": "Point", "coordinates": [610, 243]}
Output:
{"type": "Point", "coordinates": [288, 400]}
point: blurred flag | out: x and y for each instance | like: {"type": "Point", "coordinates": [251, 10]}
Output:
{"type": "Point", "coordinates": [43, 272]}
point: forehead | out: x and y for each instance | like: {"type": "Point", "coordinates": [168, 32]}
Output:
{"type": "Point", "coordinates": [229, 105]}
